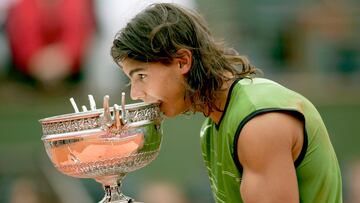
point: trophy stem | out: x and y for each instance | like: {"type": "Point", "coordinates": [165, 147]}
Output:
{"type": "Point", "coordinates": [112, 187]}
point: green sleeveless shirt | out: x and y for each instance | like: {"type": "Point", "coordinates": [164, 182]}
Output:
{"type": "Point", "coordinates": [317, 169]}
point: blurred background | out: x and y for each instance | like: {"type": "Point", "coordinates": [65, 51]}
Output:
{"type": "Point", "coordinates": [51, 50]}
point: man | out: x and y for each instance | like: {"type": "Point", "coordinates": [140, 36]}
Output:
{"type": "Point", "coordinates": [261, 142]}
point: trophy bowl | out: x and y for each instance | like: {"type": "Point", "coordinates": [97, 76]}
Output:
{"type": "Point", "coordinates": [104, 144]}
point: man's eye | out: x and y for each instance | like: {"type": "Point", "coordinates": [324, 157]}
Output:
{"type": "Point", "coordinates": [142, 76]}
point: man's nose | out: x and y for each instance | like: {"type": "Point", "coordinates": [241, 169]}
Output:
{"type": "Point", "coordinates": [136, 93]}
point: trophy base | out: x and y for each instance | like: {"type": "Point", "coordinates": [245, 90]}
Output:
{"type": "Point", "coordinates": [113, 194]}
{"type": "Point", "coordinates": [123, 201]}
{"type": "Point", "coordinates": [118, 201]}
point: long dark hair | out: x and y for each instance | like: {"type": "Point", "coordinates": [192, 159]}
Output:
{"type": "Point", "coordinates": [159, 31]}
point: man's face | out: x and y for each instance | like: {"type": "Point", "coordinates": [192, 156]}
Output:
{"type": "Point", "coordinates": [156, 82]}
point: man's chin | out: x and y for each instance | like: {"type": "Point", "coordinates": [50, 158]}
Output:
{"type": "Point", "coordinates": [170, 112]}
{"type": "Point", "coordinates": [170, 115]}
{"type": "Point", "coordinates": [167, 113]}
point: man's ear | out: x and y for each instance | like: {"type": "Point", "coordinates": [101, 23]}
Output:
{"type": "Point", "coordinates": [184, 60]}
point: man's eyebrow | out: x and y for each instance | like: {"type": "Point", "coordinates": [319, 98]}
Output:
{"type": "Point", "coordinates": [131, 73]}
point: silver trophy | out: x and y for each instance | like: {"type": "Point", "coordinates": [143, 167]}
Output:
{"type": "Point", "coordinates": [104, 144]}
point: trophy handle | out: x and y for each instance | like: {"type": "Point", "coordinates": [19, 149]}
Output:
{"type": "Point", "coordinates": [115, 121]}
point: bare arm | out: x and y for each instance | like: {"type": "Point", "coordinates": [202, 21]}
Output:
{"type": "Point", "coordinates": [267, 148]}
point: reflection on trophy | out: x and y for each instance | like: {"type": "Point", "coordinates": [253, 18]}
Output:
{"type": "Point", "coordinates": [104, 144]}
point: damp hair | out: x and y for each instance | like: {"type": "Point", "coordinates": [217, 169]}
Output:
{"type": "Point", "coordinates": [159, 31]}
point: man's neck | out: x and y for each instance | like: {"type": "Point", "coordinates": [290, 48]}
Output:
{"type": "Point", "coordinates": [221, 102]}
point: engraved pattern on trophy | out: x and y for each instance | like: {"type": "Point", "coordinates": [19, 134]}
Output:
{"type": "Point", "coordinates": [70, 126]}
{"type": "Point", "coordinates": [104, 144]}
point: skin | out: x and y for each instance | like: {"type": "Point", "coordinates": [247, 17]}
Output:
{"type": "Point", "coordinates": [268, 146]}
{"type": "Point", "coordinates": [265, 178]}
{"type": "Point", "coordinates": [156, 82]}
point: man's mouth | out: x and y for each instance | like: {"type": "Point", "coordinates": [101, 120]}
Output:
{"type": "Point", "coordinates": [160, 106]}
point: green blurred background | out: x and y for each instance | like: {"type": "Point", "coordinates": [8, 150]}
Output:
{"type": "Point", "coordinates": [310, 47]}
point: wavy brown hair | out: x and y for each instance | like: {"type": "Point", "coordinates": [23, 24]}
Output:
{"type": "Point", "coordinates": [159, 31]}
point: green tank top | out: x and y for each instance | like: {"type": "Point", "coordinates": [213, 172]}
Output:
{"type": "Point", "coordinates": [317, 168]}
